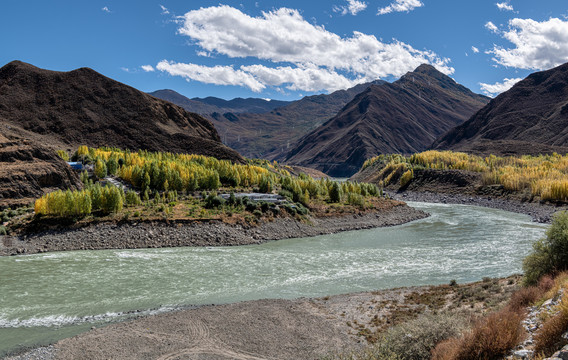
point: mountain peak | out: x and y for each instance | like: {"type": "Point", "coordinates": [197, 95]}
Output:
{"type": "Point", "coordinates": [426, 69]}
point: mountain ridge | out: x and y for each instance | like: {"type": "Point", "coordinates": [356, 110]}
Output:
{"type": "Point", "coordinates": [401, 117]}
{"type": "Point", "coordinates": [269, 134]}
{"type": "Point", "coordinates": [529, 118]}
{"type": "Point", "coordinates": [83, 107]}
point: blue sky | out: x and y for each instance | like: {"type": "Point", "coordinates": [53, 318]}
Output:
{"type": "Point", "coordinates": [286, 49]}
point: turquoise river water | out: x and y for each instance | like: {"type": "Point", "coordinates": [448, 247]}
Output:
{"type": "Point", "coordinates": [46, 297]}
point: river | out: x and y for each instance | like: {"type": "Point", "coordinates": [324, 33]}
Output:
{"type": "Point", "coordinates": [46, 297]}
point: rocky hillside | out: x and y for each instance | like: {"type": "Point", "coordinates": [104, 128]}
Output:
{"type": "Point", "coordinates": [530, 118]}
{"type": "Point", "coordinates": [29, 170]}
{"type": "Point", "coordinates": [402, 117]}
{"type": "Point", "coordinates": [265, 134]}
{"type": "Point", "coordinates": [67, 109]}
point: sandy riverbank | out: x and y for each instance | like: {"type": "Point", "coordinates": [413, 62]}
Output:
{"type": "Point", "coordinates": [132, 235]}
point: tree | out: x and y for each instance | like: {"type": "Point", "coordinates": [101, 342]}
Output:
{"type": "Point", "coordinates": [549, 254]}
{"type": "Point", "coordinates": [335, 193]}
{"type": "Point", "coordinates": [100, 169]}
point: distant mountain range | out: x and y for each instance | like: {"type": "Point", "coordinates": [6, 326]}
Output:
{"type": "Point", "coordinates": [529, 118]}
{"type": "Point", "coordinates": [401, 117]}
{"type": "Point", "coordinates": [267, 134]}
{"type": "Point", "coordinates": [209, 105]}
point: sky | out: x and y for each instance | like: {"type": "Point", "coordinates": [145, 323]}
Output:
{"type": "Point", "coordinates": [286, 49]}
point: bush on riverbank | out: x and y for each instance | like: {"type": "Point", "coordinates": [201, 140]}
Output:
{"type": "Point", "coordinates": [550, 254]}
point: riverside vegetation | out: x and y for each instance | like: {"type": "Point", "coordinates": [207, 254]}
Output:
{"type": "Point", "coordinates": [449, 333]}
{"type": "Point", "coordinates": [167, 185]}
{"type": "Point", "coordinates": [543, 176]}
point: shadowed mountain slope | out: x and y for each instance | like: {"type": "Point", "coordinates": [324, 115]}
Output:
{"type": "Point", "coordinates": [529, 118]}
{"type": "Point", "coordinates": [67, 109]}
{"type": "Point", "coordinates": [266, 134]}
{"type": "Point", "coordinates": [402, 117]}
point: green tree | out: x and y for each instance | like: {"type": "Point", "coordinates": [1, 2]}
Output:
{"type": "Point", "coordinates": [335, 193]}
{"type": "Point", "coordinates": [549, 254]}
{"type": "Point", "coordinates": [100, 169]}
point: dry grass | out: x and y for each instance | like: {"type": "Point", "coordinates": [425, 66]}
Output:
{"type": "Point", "coordinates": [549, 337]}
{"type": "Point", "coordinates": [491, 338]}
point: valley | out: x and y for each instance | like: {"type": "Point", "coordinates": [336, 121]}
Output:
{"type": "Point", "coordinates": [300, 225]}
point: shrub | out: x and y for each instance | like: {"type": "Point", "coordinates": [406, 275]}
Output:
{"type": "Point", "coordinates": [287, 194]}
{"type": "Point", "coordinates": [3, 230]}
{"type": "Point", "coordinates": [549, 338]}
{"type": "Point", "coordinates": [549, 254]}
{"type": "Point", "coordinates": [406, 178]}
{"type": "Point", "coordinates": [63, 154]}
{"type": "Point", "coordinates": [524, 297]}
{"type": "Point", "coordinates": [355, 199]}
{"type": "Point", "coordinates": [491, 338]}
{"type": "Point", "coordinates": [415, 339]}
{"type": "Point", "coordinates": [213, 201]}
{"type": "Point", "coordinates": [132, 198]}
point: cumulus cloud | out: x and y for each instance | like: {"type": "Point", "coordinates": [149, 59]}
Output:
{"type": "Point", "coordinates": [106, 9]}
{"type": "Point", "coordinates": [537, 45]}
{"type": "Point", "coordinates": [499, 87]}
{"type": "Point", "coordinates": [474, 49]}
{"type": "Point", "coordinates": [505, 6]}
{"type": "Point", "coordinates": [491, 27]}
{"type": "Point", "coordinates": [218, 75]}
{"type": "Point", "coordinates": [147, 68]}
{"type": "Point", "coordinates": [314, 58]}
{"type": "Point", "coordinates": [353, 7]}
{"type": "Point", "coordinates": [306, 79]}
{"type": "Point", "coordinates": [400, 6]}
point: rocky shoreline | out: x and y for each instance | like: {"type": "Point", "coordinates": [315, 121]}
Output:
{"type": "Point", "coordinates": [539, 212]}
{"type": "Point", "coordinates": [134, 235]}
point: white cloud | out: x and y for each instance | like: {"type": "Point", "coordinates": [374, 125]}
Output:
{"type": "Point", "coordinates": [165, 10]}
{"type": "Point", "coordinates": [505, 6]}
{"type": "Point", "coordinates": [491, 27]}
{"type": "Point", "coordinates": [147, 68]}
{"type": "Point", "coordinates": [498, 88]}
{"type": "Point", "coordinates": [353, 7]}
{"type": "Point", "coordinates": [106, 9]}
{"type": "Point", "coordinates": [474, 49]}
{"type": "Point", "coordinates": [306, 79]}
{"type": "Point", "coordinates": [314, 57]}
{"type": "Point", "coordinates": [538, 45]}
{"type": "Point", "coordinates": [400, 6]}
{"type": "Point", "coordinates": [218, 75]}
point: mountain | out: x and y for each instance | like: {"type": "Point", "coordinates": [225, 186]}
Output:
{"type": "Point", "coordinates": [266, 134]}
{"type": "Point", "coordinates": [240, 105]}
{"type": "Point", "coordinates": [209, 105]}
{"type": "Point", "coordinates": [82, 107]}
{"type": "Point", "coordinates": [401, 117]}
{"type": "Point", "coordinates": [529, 118]}
{"type": "Point", "coordinates": [28, 170]}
